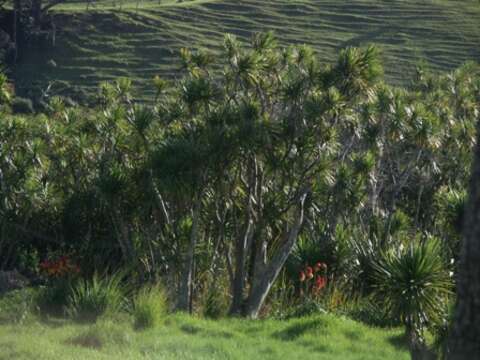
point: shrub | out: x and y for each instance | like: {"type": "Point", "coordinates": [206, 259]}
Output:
{"type": "Point", "coordinates": [367, 311]}
{"type": "Point", "coordinates": [90, 299]}
{"type": "Point", "coordinates": [319, 245]}
{"type": "Point", "coordinates": [53, 298]}
{"type": "Point", "coordinates": [303, 289]}
{"type": "Point", "coordinates": [149, 307]}
{"type": "Point", "coordinates": [22, 106]}
{"type": "Point", "coordinates": [214, 306]}
{"type": "Point", "coordinates": [413, 283]}
{"type": "Point", "coordinates": [5, 93]}
{"type": "Point", "coordinates": [17, 305]}
{"type": "Point", "coordinates": [308, 307]}
{"type": "Point", "coordinates": [59, 273]}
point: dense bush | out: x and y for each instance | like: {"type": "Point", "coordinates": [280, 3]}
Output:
{"type": "Point", "coordinates": [53, 298]}
{"type": "Point", "coordinates": [149, 307]}
{"type": "Point", "coordinates": [100, 295]}
{"type": "Point", "coordinates": [17, 306]}
{"type": "Point", "coordinates": [413, 283]}
{"type": "Point", "coordinates": [277, 159]}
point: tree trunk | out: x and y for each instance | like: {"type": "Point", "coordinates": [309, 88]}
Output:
{"type": "Point", "coordinates": [464, 342]}
{"type": "Point", "coordinates": [416, 345]}
{"type": "Point", "coordinates": [185, 290]}
{"type": "Point", "coordinates": [37, 14]}
{"type": "Point", "coordinates": [264, 280]}
{"type": "Point", "coordinates": [123, 235]}
{"type": "Point", "coordinates": [241, 247]}
{"type": "Point", "coordinates": [16, 13]}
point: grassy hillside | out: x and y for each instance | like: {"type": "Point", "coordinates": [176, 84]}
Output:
{"type": "Point", "coordinates": [111, 41]}
{"type": "Point", "coordinates": [183, 337]}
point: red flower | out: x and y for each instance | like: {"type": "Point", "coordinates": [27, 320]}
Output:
{"type": "Point", "coordinates": [309, 272]}
{"type": "Point", "coordinates": [319, 266]}
{"type": "Point", "coordinates": [61, 266]}
{"type": "Point", "coordinates": [320, 282]}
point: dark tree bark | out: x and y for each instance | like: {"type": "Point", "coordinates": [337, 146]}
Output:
{"type": "Point", "coordinates": [37, 14]}
{"type": "Point", "coordinates": [464, 342]}
{"type": "Point", "coordinates": [16, 14]}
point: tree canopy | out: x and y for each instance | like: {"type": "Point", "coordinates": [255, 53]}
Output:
{"type": "Point", "coordinates": [259, 159]}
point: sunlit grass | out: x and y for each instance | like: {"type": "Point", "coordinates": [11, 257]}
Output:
{"type": "Point", "coordinates": [184, 337]}
{"type": "Point", "coordinates": [108, 41]}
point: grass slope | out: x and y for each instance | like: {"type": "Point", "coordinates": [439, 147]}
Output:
{"type": "Point", "coordinates": [183, 337]}
{"type": "Point", "coordinates": [108, 42]}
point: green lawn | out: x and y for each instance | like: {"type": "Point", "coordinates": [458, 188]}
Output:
{"type": "Point", "coordinates": [183, 337]}
{"type": "Point", "coordinates": [111, 41]}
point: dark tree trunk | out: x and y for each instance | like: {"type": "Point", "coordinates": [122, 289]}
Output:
{"type": "Point", "coordinates": [464, 342]}
{"type": "Point", "coordinates": [37, 14]}
{"type": "Point", "coordinates": [16, 14]}
{"type": "Point", "coordinates": [417, 347]}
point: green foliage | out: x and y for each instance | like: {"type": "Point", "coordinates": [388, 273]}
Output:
{"type": "Point", "coordinates": [22, 106]}
{"type": "Point", "coordinates": [215, 305]}
{"type": "Point", "coordinates": [17, 306]}
{"type": "Point", "coordinates": [308, 307]}
{"type": "Point", "coordinates": [413, 283]}
{"type": "Point", "coordinates": [5, 94]}
{"type": "Point", "coordinates": [277, 153]}
{"type": "Point", "coordinates": [450, 208]}
{"type": "Point", "coordinates": [149, 307]}
{"type": "Point", "coordinates": [92, 298]}
{"type": "Point", "coordinates": [356, 70]}
{"type": "Point", "coordinates": [54, 298]}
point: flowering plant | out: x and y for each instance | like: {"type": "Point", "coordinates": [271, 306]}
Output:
{"type": "Point", "coordinates": [313, 279]}
{"type": "Point", "coordinates": [60, 267]}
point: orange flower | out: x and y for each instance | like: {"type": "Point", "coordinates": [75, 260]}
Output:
{"type": "Point", "coordinates": [302, 276]}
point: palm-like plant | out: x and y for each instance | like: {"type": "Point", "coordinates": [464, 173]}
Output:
{"type": "Point", "coordinates": [5, 95]}
{"type": "Point", "coordinates": [413, 283]}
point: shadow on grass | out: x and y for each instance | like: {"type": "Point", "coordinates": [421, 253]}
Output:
{"type": "Point", "coordinates": [399, 341]}
{"type": "Point", "coordinates": [190, 329]}
{"type": "Point", "coordinates": [353, 335]}
{"type": "Point", "coordinates": [222, 334]}
{"type": "Point", "coordinates": [53, 322]}
{"type": "Point", "coordinates": [88, 340]}
{"type": "Point", "coordinates": [294, 331]}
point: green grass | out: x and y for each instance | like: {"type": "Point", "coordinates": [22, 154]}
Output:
{"type": "Point", "coordinates": [112, 41]}
{"type": "Point", "coordinates": [149, 307]}
{"type": "Point", "coordinates": [183, 337]}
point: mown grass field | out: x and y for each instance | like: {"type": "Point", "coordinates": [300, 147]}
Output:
{"type": "Point", "coordinates": [142, 40]}
{"type": "Point", "coordinates": [183, 337]}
